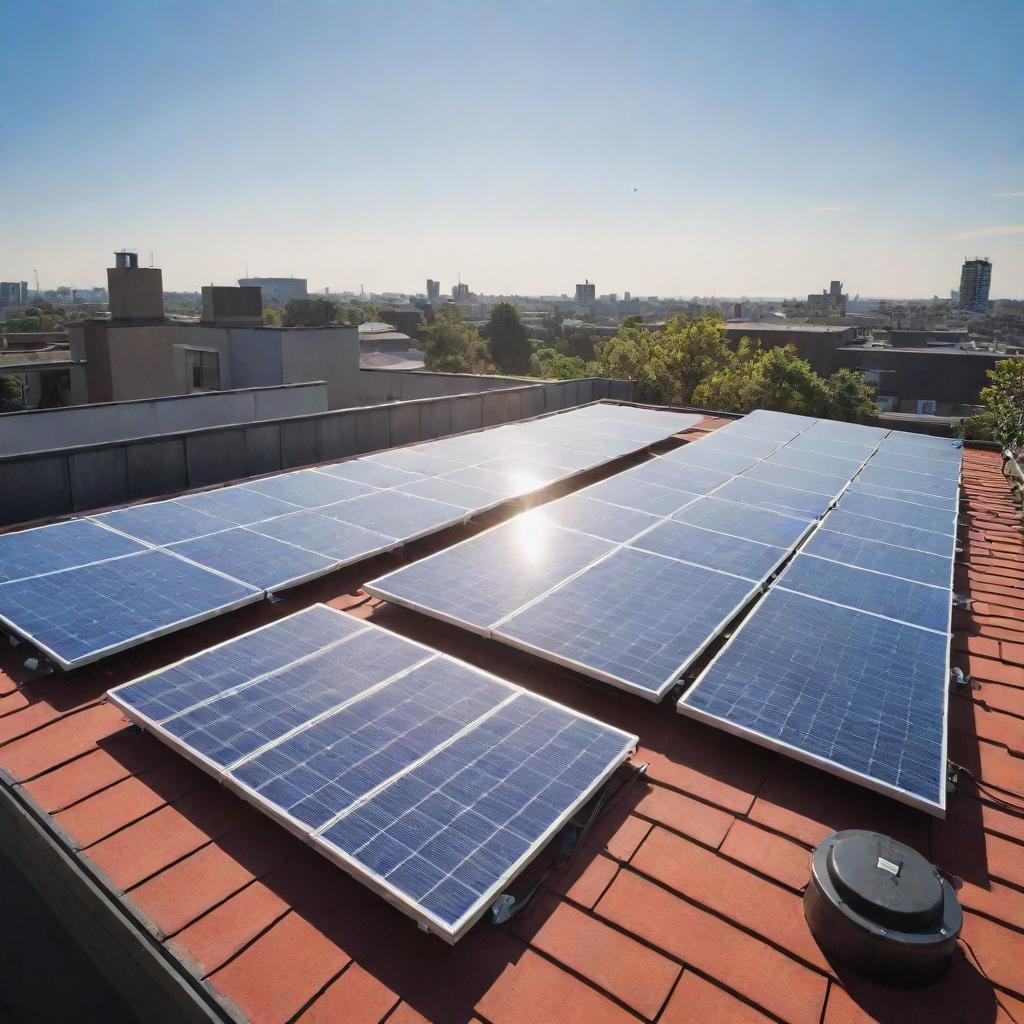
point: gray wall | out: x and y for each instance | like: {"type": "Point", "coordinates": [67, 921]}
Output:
{"type": "Point", "coordinates": [44, 484]}
{"type": "Point", "coordinates": [46, 429]}
{"type": "Point", "coordinates": [406, 385]}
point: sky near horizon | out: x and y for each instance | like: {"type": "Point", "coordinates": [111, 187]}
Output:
{"type": "Point", "coordinates": [706, 148]}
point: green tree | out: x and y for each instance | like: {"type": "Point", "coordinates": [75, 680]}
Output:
{"type": "Point", "coordinates": [271, 317]}
{"type": "Point", "coordinates": [555, 365]}
{"type": "Point", "coordinates": [853, 397]}
{"type": "Point", "coordinates": [452, 346]}
{"type": "Point", "coordinates": [1002, 419]}
{"type": "Point", "coordinates": [310, 312]}
{"type": "Point", "coordinates": [509, 343]}
{"type": "Point", "coordinates": [11, 395]}
{"type": "Point", "coordinates": [668, 364]}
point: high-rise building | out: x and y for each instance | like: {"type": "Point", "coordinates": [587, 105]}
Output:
{"type": "Point", "coordinates": [277, 291]}
{"type": "Point", "coordinates": [13, 293]}
{"type": "Point", "coordinates": [828, 303]}
{"type": "Point", "coordinates": [460, 292]}
{"type": "Point", "coordinates": [433, 290]}
{"type": "Point", "coordinates": [586, 292]}
{"type": "Point", "coordinates": [975, 279]}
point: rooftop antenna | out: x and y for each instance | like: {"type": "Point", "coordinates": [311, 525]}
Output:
{"type": "Point", "coordinates": [151, 259]}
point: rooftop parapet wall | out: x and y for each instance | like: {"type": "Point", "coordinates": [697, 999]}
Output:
{"type": "Point", "coordinates": [47, 484]}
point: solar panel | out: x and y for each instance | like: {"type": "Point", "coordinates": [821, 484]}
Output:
{"type": "Point", "coordinates": [748, 446]}
{"type": "Point", "coordinates": [901, 480]}
{"type": "Point", "coordinates": [871, 554]}
{"type": "Point", "coordinates": [855, 694]}
{"type": "Point", "coordinates": [451, 492]}
{"type": "Point", "coordinates": [413, 461]}
{"type": "Point", "coordinates": [237, 505]}
{"type": "Point", "coordinates": [373, 474]}
{"type": "Point", "coordinates": [526, 474]}
{"type": "Point", "coordinates": [565, 458]}
{"type": "Point", "coordinates": [308, 488]}
{"type": "Point", "coordinates": [395, 514]}
{"type": "Point", "coordinates": [254, 559]}
{"type": "Point", "coordinates": [672, 422]}
{"type": "Point", "coordinates": [598, 518]}
{"type": "Point", "coordinates": [82, 614]}
{"type": "Point", "coordinates": [634, 620]}
{"type": "Point", "coordinates": [892, 510]}
{"type": "Point", "coordinates": [162, 522]}
{"type": "Point", "coordinates": [60, 546]}
{"type": "Point", "coordinates": [590, 441]}
{"type": "Point", "coordinates": [341, 542]}
{"type": "Point", "coordinates": [478, 582]}
{"type": "Point", "coordinates": [815, 462]}
{"type": "Point", "coordinates": [746, 558]}
{"type": "Point", "coordinates": [754, 432]}
{"type": "Point", "coordinates": [691, 479]}
{"type": "Point", "coordinates": [786, 420]}
{"type": "Point", "coordinates": [931, 500]}
{"type": "Point", "coordinates": [774, 497]}
{"type": "Point", "coordinates": [640, 495]}
{"type": "Point", "coordinates": [697, 454]}
{"type": "Point", "coordinates": [745, 522]}
{"type": "Point", "coordinates": [841, 521]}
{"type": "Point", "coordinates": [788, 476]}
{"type": "Point", "coordinates": [430, 781]}
{"type": "Point", "coordinates": [868, 590]}
{"type": "Point", "coordinates": [947, 469]}
{"type": "Point", "coordinates": [932, 447]}
{"type": "Point", "coordinates": [499, 486]}
{"type": "Point", "coordinates": [808, 442]}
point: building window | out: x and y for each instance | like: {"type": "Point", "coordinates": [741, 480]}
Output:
{"type": "Point", "coordinates": [203, 370]}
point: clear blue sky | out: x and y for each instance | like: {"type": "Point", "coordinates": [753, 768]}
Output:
{"type": "Point", "coordinates": [664, 148]}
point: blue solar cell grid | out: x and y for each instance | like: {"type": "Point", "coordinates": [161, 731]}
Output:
{"type": "Point", "coordinates": [774, 497]}
{"type": "Point", "coordinates": [841, 521]}
{"type": "Point", "coordinates": [598, 518]}
{"type": "Point", "coordinates": [58, 547]}
{"type": "Point", "coordinates": [641, 495]}
{"type": "Point", "coordinates": [892, 510]}
{"type": "Point", "coordinates": [802, 479]}
{"type": "Point", "coordinates": [395, 514]}
{"type": "Point", "coordinates": [308, 488]}
{"type": "Point", "coordinates": [427, 779]}
{"type": "Point", "coordinates": [697, 454]}
{"type": "Point", "coordinates": [313, 531]}
{"type": "Point", "coordinates": [746, 522]}
{"type": "Point", "coordinates": [914, 497]}
{"type": "Point", "coordinates": [691, 479]}
{"type": "Point", "coordinates": [162, 522]}
{"type": "Point", "coordinates": [852, 693]}
{"type": "Point", "coordinates": [870, 554]}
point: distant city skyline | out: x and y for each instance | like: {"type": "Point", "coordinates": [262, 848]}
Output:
{"type": "Point", "coordinates": [661, 148]}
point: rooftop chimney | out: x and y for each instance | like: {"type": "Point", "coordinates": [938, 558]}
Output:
{"type": "Point", "coordinates": [124, 259]}
{"type": "Point", "coordinates": [136, 293]}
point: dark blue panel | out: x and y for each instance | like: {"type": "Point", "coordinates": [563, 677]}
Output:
{"type": "Point", "coordinates": [448, 833]}
{"type": "Point", "coordinates": [395, 514]}
{"type": "Point", "coordinates": [317, 532]}
{"type": "Point", "coordinates": [900, 480]}
{"type": "Point", "coordinates": [236, 504]}
{"type": "Point", "coordinates": [840, 521]}
{"type": "Point", "coordinates": [744, 521]}
{"type": "Point", "coordinates": [169, 692]}
{"type": "Point", "coordinates": [79, 614]}
{"type": "Point", "coordinates": [322, 770]}
{"type": "Point", "coordinates": [644, 497]}
{"type": "Point", "coordinates": [773, 497]}
{"type": "Point", "coordinates": [691, 479]}
{"type": "Point", "coordinates": [893, 511]}
{"type": "Point", "coordinates": [715, 550]}
{"type": "Point", "coordinates": [236, 724]}
{"type": "Point", "coordinates": [789, 476]}
{"type": "Point", "coordinates": [869, 554]}
{"type": "Point", "coordinates": [598, 518]}
{"type": "Point", "coordinates": [634, 618]}
{"type": "Point", "coordinates": [698, 454]}
{"type": "Point", "coordinates": [862, 694]}
{"type": "Point", "coordinates": [309, 489]}
{"type": "Point", "coordinates": [914, 497]}
{"type": "Point", "coordinates": [489, 576]}
{"type": "Point", "coordinates": [373, 474]}
{"type": "Point", "coordinates": [827, 465]}
{"type": "Point", "coordinates": [923, 446]}
{"type": "Point", "coordinates": [163, 522]}
{"type": "Point", "coordinates": [61, 546]}
{"type": "Point", "coordinates": [829, 446]}
{"type": "Point", "coordinates": [259, 561]}
{"type": "Point", "coordinates": [915, 603]}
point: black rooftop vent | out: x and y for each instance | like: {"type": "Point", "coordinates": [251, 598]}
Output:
{"type": "Point", "coordinates": [879, 908]}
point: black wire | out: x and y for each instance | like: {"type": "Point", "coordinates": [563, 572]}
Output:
{"type": "Point", "coordinates": [984, 974]}
{"type": "Point", "coordinates": [990, 791]}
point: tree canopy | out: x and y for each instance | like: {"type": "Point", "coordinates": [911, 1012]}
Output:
{"type": "Point", "coordinates": [310, 312]}
{"type": "Point", "coordinates": [509, 343]}
{"type": "Point", "coordinates": [450, 345]}
{"type": "Point", "coordinates": [1002, 419]}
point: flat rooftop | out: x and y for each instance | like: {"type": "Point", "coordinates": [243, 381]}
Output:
{"type": "Point", "coordinates": [683, 905]}
{"type": "Point", "coordinates": [773, 325]}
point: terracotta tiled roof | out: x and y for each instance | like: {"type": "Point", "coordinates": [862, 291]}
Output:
{"type": "Point", "coordinates": [683, 905]}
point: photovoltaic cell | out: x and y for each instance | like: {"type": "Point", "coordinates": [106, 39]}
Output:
{"type": "Point", "coordinates": [395, 514]}
{"type": "Point", "coordinates": [451, 492]}
{"type": "Point", "coordinates": [841, 521]}
{"type": "Point", "coordinates": [751, 447]}
{"type": "Point", "coordinates": [915, 603]}
{"type": "Point", "coordinates": [640, 495]}
{"type": "Point", "coordinates": [808, 442]}
{"type": "Point", "coordinates": [901, 480]}
{"type": "Point", "coordinates": [802, 479]}
{"type": "Point", "coordinates": [60, 546]}
{"type": "Point", "coordinates": [373, 474]}
{"type": "Point", "coordinates": [894, 511]}
{"type": "Point", "coordinates": [526, 474]}
{"type": "Point", "coordinates": [432, 782]}
{"type": "Point", "coordinates": [773, 497]}
{"type": "Point", "coordinates": [634, 619]}
{"type": "Point", "coordinates": [869, 554]}
{"type": "Point", "coordinates": [414, 461]}
{"type": "Point", "coordinates": [308, 488]}
{"type": "Point", "coordinates": [931, 500]}
{"type": "Point", "coordinates": [691, 479]}
{"type": "Point", "coordinates": [745, 522]}
{"type": "Point", "coordinates": [948, 470]}
{"type": "Point", "coordinates": [340, 542]}
{"type": "Point", "coordinates": [251, 558]}
{"type": "Point", "coordinates": [563, 458]}
{"type": "Point", "coordinates": [598, 518]}
{"type": "Point", "coordinates": [162, 522]}
{"type": "Point", "coordinates": [480, 581]}
{"type": "Point", "coordinates": [815, 462]}
{"type": "Point", "coordinates": [237, 505]}
{"type": "Point", "coordinates": [746, 558]}
{"type": "Point", "coordinates": [82, 614]}
{"type": "Point", "coordinates": [852, 693]}
{"type": "Point", "coordinates": [696, 454]}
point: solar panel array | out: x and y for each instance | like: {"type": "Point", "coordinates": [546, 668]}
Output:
{"type": "Point", "coordinates": [845, 662]}
{"type": "Point", "coordinates": [629, 580]}
{"type": "Point", "coordinates": [432, 782]}
{"type": "Point", "coordinates": [84, 589]}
